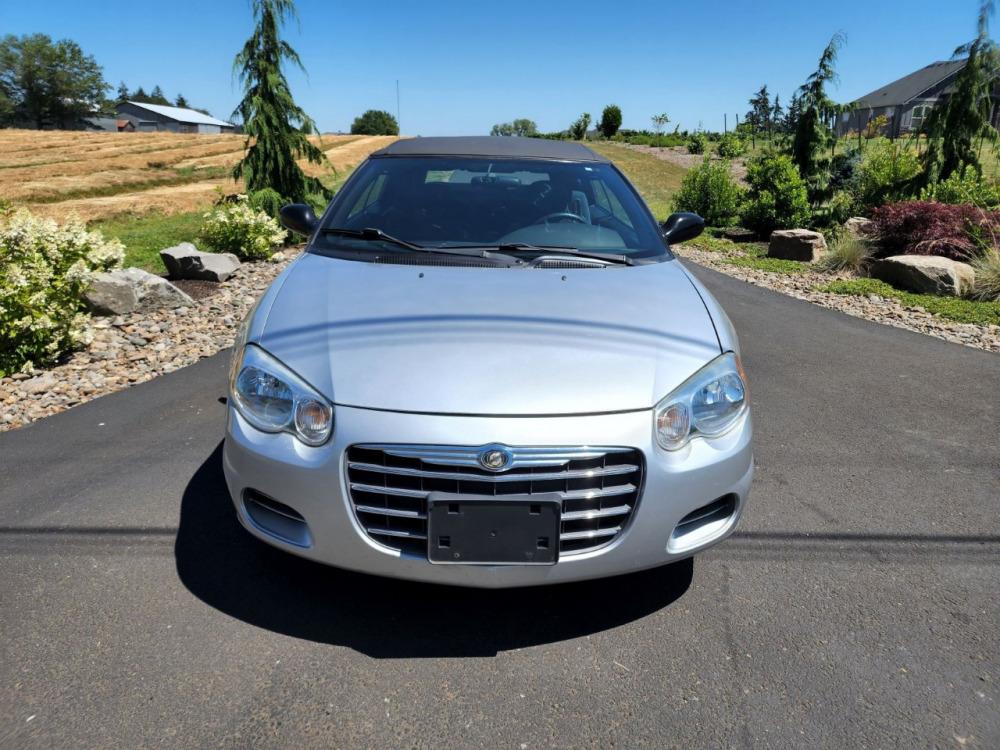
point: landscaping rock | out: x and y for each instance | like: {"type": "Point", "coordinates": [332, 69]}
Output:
{"type": "Point", "coordinates": [927, 274]}
{"type": "Point", "coordinates": [130, 348]}
{"type": "Point", "coordinates": [796, 244]}
{"type": "Point", "coordinates": [859, 227]}
{"type": "Point", "coordinates": [132, 290]}
{"type": "Point", "coordinates": [739, 234]}
{"type": "Point", "coordinates": [185, 261]}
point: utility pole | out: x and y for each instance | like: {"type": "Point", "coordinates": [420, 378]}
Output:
{"type": "Point", "coordinates": [397, 105]}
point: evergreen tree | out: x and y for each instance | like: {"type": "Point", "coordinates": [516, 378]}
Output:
{"type": "Point", "coordinates": [181, 101]}
{"type": "Point", "coordinates": [272, 121]}
{"type": "Point", "coordinates": [813, 132]}
{"type": "Point", "coordinates": [792, 114]}
{"type": "Point", "coordinates": [777, 113]}
{"type": "Point", "coordinates": [140, 95]}
{"type": "Point", "coordinates": [123, 94]}
{"type": "Point", "coordinates": [956, 127]}
{"type": "Point", "coordinates": [759, 116]}
{"type": "Point", "coordinates": [156, 96]}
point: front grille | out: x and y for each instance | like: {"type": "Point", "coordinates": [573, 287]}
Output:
{"type": "Point", "coordinates": [389, 486]}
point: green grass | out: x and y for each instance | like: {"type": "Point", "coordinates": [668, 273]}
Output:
{"type": "Point", "coordinates": [145, 235]}
{"type": "Point", "coordinates": [655, 179]}
{"type": "Point", "coordinates": [953, 308]}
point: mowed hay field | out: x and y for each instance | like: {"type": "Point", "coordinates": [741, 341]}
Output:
{"type": "Point", "coordinates": [100, 175]}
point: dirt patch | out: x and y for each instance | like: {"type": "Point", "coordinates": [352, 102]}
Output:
{"type": "Point", "coordinates": [679, 155]}
{"type": "Point", "coordinates": [197, 289]}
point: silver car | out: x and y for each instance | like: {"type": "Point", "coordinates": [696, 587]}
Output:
{"type": "Point", "coordinates": [488, 369]}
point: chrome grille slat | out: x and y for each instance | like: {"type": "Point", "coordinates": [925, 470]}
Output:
{"type": "Point", "coordinates": [515, 477]}
{"type": "Point", "coordinates": [374, 489]}
{"type": "Point", "coordinates": [586, 515]}
{"type": "Point", "coordinates": [396, 533]}
{"type": "Point", "coordinates": [400, 491]}
{"type": "Point", "coordinates": [589, 534]}
{"type": "Point", "coordinates": [389, 485]}
{"type": "Point", "coordinates": [394, 512]}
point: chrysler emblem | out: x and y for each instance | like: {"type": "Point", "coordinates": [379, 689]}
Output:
{"type": "Point", "coordinates": [495, 458]}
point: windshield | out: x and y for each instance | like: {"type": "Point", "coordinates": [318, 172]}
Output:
{"type": "Point", "coordinates": [473, 202]}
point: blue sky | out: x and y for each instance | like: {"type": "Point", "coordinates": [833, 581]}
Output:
{"type": "Point", "coordinates": [463, 66]}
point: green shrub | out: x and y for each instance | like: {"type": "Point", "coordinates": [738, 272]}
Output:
{"type": "Point", "coordinates": [842, 206]}
{"type": "Point", "coordinates": [967, 188]}
{"type": "Point", "coordinates": [846, 253]}
{"type": "Point", "coordinates": [375, 122]}
{"type": "Point", "coordinates": [710, 191]}
{"type": "Point", "coordinates": [267, 200]}
{"type": "Point", "coordinates": [44, 271]}
{"type": "Point", "coordinates": [886, 173]}
{"type": "Point", "coordinates": [239, 228]}
{"type": "Point", "coordinates": [777, 197]}
{"type": "Point", "coordinates": [731, 146]}
{"type": "Point", "coordinates": [987, 267]}
{"type": "Point", "coordinates": [697, 143]}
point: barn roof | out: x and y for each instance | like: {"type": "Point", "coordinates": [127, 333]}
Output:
{"type": "Point", "coordinates": [182, 114]}
{"type": "Point", "coordinates": [911, 86]}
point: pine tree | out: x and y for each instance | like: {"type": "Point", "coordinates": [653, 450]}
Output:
{"type": "Point", "coordinates": [140, 95]}
{"type": "Point", "coordinates": [272, 121]}
{"type": "Point", "coordinates": [813, 132]}
{"type": "Point", "coordinates": [777, 113]}
{"type": "Point", "coordinates": [954, 128]}
{"type": "Point", "coordinates": [156, 96]}
{"type": "Point", "coordinates": [123, 94]}
{"type": "Point", "coordinates": [181, 101]}
{"type": "Point", "coordinates": [792, 114]}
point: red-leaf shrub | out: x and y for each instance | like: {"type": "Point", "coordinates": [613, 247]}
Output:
{"type": "Point", "coordinates": [928, 228]}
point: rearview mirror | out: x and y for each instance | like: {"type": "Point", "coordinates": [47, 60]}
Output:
{"type": "Point", "coordinates": [299, 217]}
{"type": "Point", "coordinates": [682, 226]}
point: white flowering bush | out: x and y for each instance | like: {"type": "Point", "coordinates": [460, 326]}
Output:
{"type": "Point", "coordinates": [44, 270]}
{"type": "Point", "coordinates": [239, 228]}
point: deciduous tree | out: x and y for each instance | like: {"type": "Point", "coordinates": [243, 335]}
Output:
{"type": "Point", "coordinates": [48, 83]}
{"type": "Point", "coordinates": [611, 120]}
{"type": "Point", "coordinates": [375, 122]}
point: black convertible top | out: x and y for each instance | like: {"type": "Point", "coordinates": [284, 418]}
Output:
{"type": "Point", "coordinates": [501, 147]}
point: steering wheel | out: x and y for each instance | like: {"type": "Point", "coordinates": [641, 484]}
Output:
{"type": "Point", "coordinates": [561, 215]}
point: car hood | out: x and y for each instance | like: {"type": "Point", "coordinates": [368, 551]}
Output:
{"type": "Point", "coordinates": [489, 341]}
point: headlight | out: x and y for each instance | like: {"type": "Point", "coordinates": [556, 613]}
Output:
{"type": "Point", "coordinates": [708, 403]}
{"type": "Point", "coordinates": [274, 399]}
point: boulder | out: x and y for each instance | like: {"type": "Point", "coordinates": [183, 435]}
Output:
{"type": "Point", "coordinates": [859, 227]}
{"type": "Point", "coordinates": [132, 290]}
{"type": "Point", "coordinates": [796, 244]}
{"type": "Point", "coordinates": [185, 261]}
{"type": "Point", "coordinates": [739, 234]}
{"type": "Point", "coordinates": [927, 274]}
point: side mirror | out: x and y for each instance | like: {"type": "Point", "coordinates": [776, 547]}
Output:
{"type": "Point", "coordinates": [300, 218]}
{"type": "Point", "coordinates": [682, 226]}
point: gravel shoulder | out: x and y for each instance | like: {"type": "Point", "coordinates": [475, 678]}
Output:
{"type": "Point", "coordinates": [872, 307]}
{"type": "Point", "coordinates": [130, 349]}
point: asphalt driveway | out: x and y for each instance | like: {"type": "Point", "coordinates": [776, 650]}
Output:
{"type": "Point", "coordinates": [859, 606]}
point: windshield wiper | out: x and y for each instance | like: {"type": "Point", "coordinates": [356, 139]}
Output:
{"type": "Point", "coordinates": [372, 234]}
{"type": "Point", "coordinates": [513, 247]}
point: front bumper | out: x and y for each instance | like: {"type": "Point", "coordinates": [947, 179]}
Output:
{"type": "Point", "coordinates": [312, 482]}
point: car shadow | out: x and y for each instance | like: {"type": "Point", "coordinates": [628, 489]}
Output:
{"type": "Point", "coordinates": [221, 564]}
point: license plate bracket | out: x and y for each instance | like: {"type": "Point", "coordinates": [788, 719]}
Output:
{"type": "Point", "coordinates": [488, 530]}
